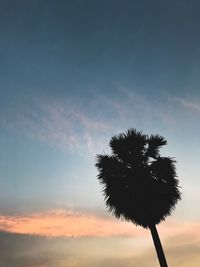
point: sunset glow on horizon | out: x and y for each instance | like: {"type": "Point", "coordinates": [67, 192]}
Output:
{"type": "Point", "coordinates": [65, 223]}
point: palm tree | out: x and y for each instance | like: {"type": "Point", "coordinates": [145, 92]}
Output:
{"type": "Point", "coordinates": [138, 184]}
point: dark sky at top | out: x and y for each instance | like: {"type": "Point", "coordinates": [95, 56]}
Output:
{"type": "Point", "coordinates": [79, 46]}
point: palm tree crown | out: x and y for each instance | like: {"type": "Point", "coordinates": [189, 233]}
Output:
{"type": "Point", "coordinates": [138, 184]}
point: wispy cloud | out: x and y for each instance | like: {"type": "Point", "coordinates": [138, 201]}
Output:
{"type": "Point", "coordinates": [60, 123]}
{"type": "Point", "coordinates": [66, 223]}
{"type": "Point", "coordinates": [72, 224]}
{"type": "Point", "coordinates": [67, 124]}
{"type": "Point", "coordinates": [190, 105]}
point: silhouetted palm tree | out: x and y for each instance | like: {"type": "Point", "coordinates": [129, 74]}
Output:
{"type": "Point", "coordinates": [138, 184]}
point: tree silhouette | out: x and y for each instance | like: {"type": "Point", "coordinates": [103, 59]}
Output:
{"type": "Point", "coordinates": [138, 184]}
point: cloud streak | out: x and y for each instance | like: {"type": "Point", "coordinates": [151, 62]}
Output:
{"type": "Point", "coordinates": [67, 124]}
{"type": "Point", "coordinates": [67, 223]}
{"type": "Point", "coordinates": [190, 105]}
{"type": "Point", "coordinates": [61, 123]}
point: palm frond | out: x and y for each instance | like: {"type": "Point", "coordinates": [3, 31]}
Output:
{"type": "Point", "coordinates": [155, 141]}
{"type": "Point", "coordinates": [128, 146]}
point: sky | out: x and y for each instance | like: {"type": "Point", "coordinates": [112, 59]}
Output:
{"type": "Point", "coordinates": [72, 75]}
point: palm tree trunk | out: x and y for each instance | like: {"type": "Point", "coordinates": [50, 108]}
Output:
{"type": "Point", "coordinates": [158, 246]}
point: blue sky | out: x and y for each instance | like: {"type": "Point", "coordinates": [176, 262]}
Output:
{"type": "Point", "coordinates": [74, 73]}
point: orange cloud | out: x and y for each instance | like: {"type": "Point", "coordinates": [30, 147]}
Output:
{"type": "Point", "coordinates": [66, 223]}
{"type": "Point", "coordinates": [71, 224]}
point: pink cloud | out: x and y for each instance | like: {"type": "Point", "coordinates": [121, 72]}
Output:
{"type": "Point", "coordinates": [71, 224]}
{"type": "Point", "coordinates": [68, 224]}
